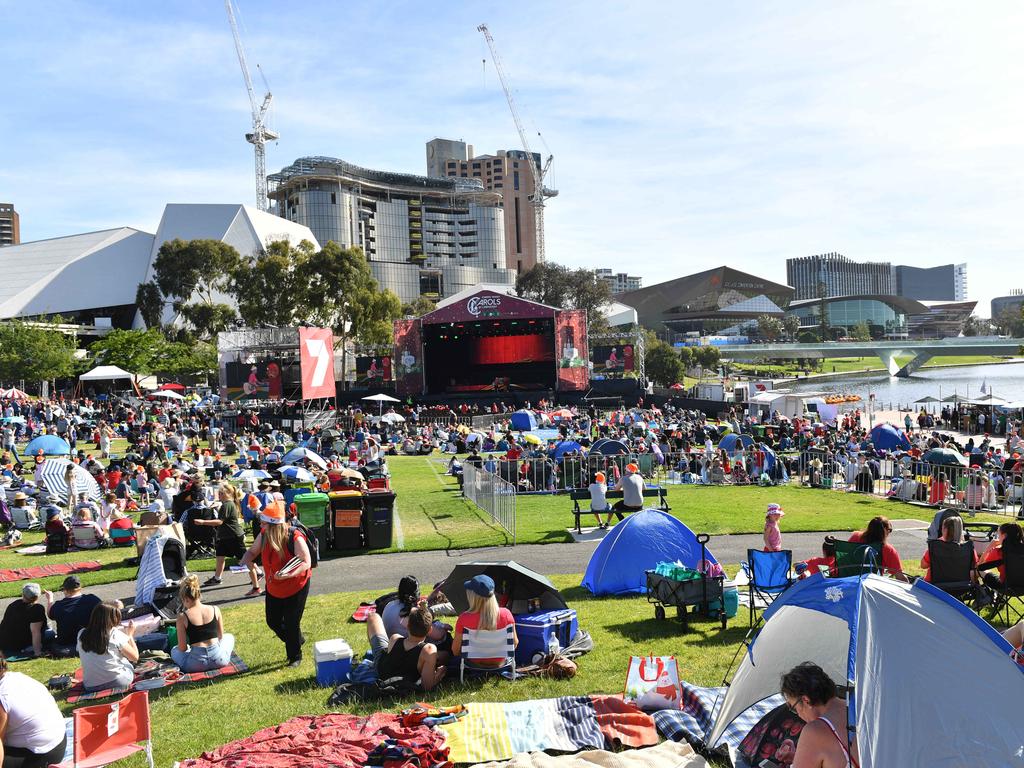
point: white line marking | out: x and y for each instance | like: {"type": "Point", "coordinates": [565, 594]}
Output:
{"type": "Point", "coordinates": [399, 534]}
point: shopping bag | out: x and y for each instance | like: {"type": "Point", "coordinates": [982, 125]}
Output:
{"type": "Point", "coordinates": [652, 683]}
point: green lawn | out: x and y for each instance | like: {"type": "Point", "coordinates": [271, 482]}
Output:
{"type": "Point", "coordinates": [860, 364]}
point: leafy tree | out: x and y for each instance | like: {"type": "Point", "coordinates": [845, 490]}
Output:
{"type": "Point", "coordinates": [686, 356]}
{"type": "Point", "coordinates": [559, 286]}
{"type": "Point", "coordinates": [861, 332]}
{"type": "Point", "coordinates": [150, 302]}
{"type": "Point", "coordinates": [791, 325]}
{"type": "Point", "coordinates": [135, 351]}
{"type": "Point", "coordinates": [1010, 322]}
{"type": "Point", "coordinates": [808, 337]}
{"type": "Point", "coordinates": [178, 359]}
{"type": "Point", "coordinates": [418, 307]}
{"type": "Point", "coordinates": [342, 294]}
{"type": "Point", "coordinates": [35, 352]}
{"type": "Point", "coordinates": [207, 320]}
{"type": "Point", "coordinates": [769, 327]}
{"type": "Point", "coordinates": [707, 357]}
{"type": "Point", "coordinates": [663, 363]}
{"type": "Point", "coordinates": [270, 286]}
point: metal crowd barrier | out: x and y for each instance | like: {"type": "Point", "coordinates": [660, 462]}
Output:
{"type": "Point", "coordinates": [492, 494]}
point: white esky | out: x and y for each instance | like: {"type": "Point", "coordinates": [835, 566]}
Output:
{"type": "Point", "coordinates": [686, 135]}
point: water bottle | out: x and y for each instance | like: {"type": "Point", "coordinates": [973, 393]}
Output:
{"type": "Point", "coordinates": [553, 646]}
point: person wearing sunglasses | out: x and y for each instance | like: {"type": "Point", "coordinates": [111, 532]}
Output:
{"type": "Point", "coordinates": [811, 695]}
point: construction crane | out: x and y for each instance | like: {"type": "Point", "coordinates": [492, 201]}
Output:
{"type": "Point", "coordinates": [260, 134]}
{"type": "Point", "coordinates": [540, 192]}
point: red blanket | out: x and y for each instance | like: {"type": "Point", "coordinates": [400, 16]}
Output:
{"type": "Point", "coordinates": [39, 571]}
{"type": "Point", "coordinates": [622, 724]}
{"type": "Point", "coordinates": [327, 741]}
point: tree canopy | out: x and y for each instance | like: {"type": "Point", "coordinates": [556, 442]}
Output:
{"type": "Point", "coordinates": [271, 287]}
{"type": "Point", "coordinates": [35, 352]}
{"type": "Point", "coordinates": [663, 364]}
{"type": "Point", "coordinates": [559, 286]}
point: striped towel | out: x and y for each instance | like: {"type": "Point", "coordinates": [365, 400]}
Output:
{"type": "Point", "coordinates": [693, 722]}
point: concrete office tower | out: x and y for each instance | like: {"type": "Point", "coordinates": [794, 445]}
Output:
{"type": "Point", "coordinates": [945, 283]}
{"type": "Point", "coordinates": [839, 276]}
{"type": "Point", "coordinates": [423, 236]}
{"type": "Point", "coordinates": [10, 225]}
{"type": "Point", "coordinates": [509, 173]}
{"type": "Point", "coordinates": [618, 282]}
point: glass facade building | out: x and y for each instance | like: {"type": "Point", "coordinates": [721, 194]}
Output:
{"type": "Point", "coordinates": [422, 236]}
{"type": "Point", "coordinates": [832, 274]}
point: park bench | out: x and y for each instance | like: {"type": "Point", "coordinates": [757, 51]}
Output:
{"type": "Point", "coordinates": [579, 494]}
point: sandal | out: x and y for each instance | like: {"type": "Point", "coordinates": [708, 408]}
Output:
{"type": "Point", "coordinates": [255, 592]}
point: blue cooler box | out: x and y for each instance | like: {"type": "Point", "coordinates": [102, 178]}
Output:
{"type": "Point", "coordinates": [333, 661]}
{"type": "Point", "coordinates": [534, 629]}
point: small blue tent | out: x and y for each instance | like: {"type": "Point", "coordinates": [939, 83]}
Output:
{"type": "Point", "coordinates": [564, 447]}
{"type": "Point", "coordinates": [524, 421]}
{"type": "Point", "coordinates": [50, 445]}
{"type": "Point", "coordinates": [886, 437]}
{"type": "Point", "coordinates": [636, 545]}
{"type": "Point", "coordinates": [609, 447]}
{"type": "Point", "coordinates": [728, 443]}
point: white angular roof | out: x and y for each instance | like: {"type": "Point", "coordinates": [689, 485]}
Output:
{"type": "Point", "coordinates": [66, 274]}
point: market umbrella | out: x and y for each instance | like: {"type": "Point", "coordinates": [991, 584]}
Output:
{"type": "Point", "coordinates": [166, 394]}
{"type": "Point", "coordinates": [297, 475]}
{"type": "Point", "coordinates": [300, 453]}
{"type": "Point", "coordinates": [944, 457]}
{"type": "Point", "coordinates": [677, 385]}
{"type": "Point", "coordinates": [954, 398]}
{"type": "Point", "coordinates": [532, 439]}
{"type": "Point", "coordinates": [562, 413]}
{"type": "Point", "coordinates": [52, 475]}
{"type": "Point", "coordinates": [516, 583]}
{"type": "Point", "coordinates": [172, 386]}
{"type": "Point", "coordinates": [50, 445]}
{"type": "Point", "coordinates": [380, 398]}
{"type": "Point", "coordinates": [392, 418]}
{"type": "Point", "coordinates": [474, 437]}
{"type": "Point", "coordinates": [927, 399]}
{"type": "Point", "coordinates": [13, 394]}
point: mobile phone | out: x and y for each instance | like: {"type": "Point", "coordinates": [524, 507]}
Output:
{"type": "Point", "coordinates": [766, 763]}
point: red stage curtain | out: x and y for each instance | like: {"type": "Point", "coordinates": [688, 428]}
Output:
{"type": "Point", "coordinates": [498, 350]}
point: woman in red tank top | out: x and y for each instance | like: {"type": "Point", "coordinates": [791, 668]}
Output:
{"type": "Point", "coordinates": [277, 544]}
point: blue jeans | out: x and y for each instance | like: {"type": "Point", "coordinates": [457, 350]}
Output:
{"type": "Point", "coordinates": [203, 657]}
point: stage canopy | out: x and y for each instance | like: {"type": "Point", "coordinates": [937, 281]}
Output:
{"type": "Point", "coordinates": [481, 302]}
{"type": "Point", "coordinates": [106, 373]}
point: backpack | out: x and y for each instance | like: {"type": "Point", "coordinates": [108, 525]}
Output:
{"type": "Point", "coordinates": [311, 541]}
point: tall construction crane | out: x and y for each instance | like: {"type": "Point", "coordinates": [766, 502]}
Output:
{"type": "Point", "coordinates": [540, 192]}
{"type": "Point", "coordinates": [260, 134]}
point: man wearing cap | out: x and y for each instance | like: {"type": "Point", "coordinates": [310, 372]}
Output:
{"type": "Point", "coordinates": [71, 613]}
{"type": "Point", "coordinates": [23, 630]}
{"type": "Point", "coordinates": [632, 486]}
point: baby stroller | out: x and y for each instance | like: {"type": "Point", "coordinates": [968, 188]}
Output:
{"type": "Point", "coordinates": [200, 540]}
{"type": "Point", "coordinates": [161, 570]}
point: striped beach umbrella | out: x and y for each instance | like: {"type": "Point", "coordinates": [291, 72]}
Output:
{"type": "Point", "coordinates": [53, 473]}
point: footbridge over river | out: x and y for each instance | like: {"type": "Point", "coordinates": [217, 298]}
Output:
{"type": "Point", "coordinates": [921, 351]}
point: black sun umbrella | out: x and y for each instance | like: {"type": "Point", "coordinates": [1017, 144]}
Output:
{"type": "Point", "coordinates": [944, 457]}
{"type": "Point", "coordinates": [513, 581]}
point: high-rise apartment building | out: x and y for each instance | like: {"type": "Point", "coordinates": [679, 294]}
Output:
{"type": "Point", "coordinates": [837, 275]}
{"type": "Point", "coordinates": [509, 173]}
{"type": "Point", "coordinates": [945, 283]}
{"type": "Point", "coordinates": [10, 225]}
{"type": "Point", "coordinates": [422, 236]}
{"type": "Point", "coordinates": [618, 282]}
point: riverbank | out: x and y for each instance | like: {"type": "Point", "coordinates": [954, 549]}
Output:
{"type": "Point", "coordinates": [869, 371]}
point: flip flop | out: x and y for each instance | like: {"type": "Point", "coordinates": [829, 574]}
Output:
{"type": "Point", "coordinates": [254, 593]}
{"type": "Point", "coordinates": [363, 612]}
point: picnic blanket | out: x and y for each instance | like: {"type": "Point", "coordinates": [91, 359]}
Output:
{"type": "Point", "coordinates": [492, 731]}
{"type": "Point", "coordinates": [668, 754]}
{"type": "Point", "coordinates": [693, 722]}
{"type": "Point", "coordinates": [54, 569]}
{"type": "Point", "coordinates": [78, 693]}
{"type": "Point", "coordinates": [330, 741]}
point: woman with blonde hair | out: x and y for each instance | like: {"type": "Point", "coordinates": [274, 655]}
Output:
{"type": "Point", "coordinates": [230, 536]}
{"type": "Point", "coordinates": [484, 613]}
{"type": "Point", "coordinates": [202, 642]}
{"type": "Point", "coordinates": [287, 588]}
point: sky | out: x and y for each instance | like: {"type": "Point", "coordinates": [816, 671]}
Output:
{"type": "Point", "coordinates": [685, 135]}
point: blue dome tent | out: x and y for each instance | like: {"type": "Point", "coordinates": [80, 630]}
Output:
{"type": "Point", "coordinates": [564, 447]}
{"type": "Point", "coordinates": [728, 443]}
{"type": "Point", "coordinates": [883, 638]}
{"type": "Point", "coordinates": [50, 445]}
{"type": "Point", "coordinates": [886, 437]}
{"type": "Point", "coordinates": [636, 545]}
{"type": "Point", "coordinates": [524, 421]}
{"type": "Point", "coordinates": [609, 447]}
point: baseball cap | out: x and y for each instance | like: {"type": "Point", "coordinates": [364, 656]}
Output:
{"type": "Point", "coordinates": [482, 585]}
{"type": "Point", "coordinates": [71, 582]}
{"type": "Point", "coordinates": [31, 591]}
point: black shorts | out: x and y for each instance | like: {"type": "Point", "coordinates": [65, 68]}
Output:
{"type": "Point", "coordinates": [231, 546]}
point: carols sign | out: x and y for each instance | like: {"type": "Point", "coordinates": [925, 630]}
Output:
{"type": "Point", "coordinates": [483, 305]}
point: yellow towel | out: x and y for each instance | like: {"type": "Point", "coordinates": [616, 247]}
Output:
{"type": "Point", "coordinates": [479, 736]}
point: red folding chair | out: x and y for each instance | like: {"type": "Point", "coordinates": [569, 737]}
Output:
{"type": "Point", "coordinates": [105, 733]}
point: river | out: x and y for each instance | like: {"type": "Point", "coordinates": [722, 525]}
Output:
{"type": "Point", "coordinates": [1003, 380]}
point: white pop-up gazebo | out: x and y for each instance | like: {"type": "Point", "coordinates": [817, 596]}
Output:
{"type": "Point", "coordinates": [107, 373]}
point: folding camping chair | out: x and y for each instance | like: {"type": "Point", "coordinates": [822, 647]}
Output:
{"type": "Point", "coordinates": [768, 575]}
{"type": "Point", "coordinates": [1003, 607]}
{"type": "Point", "coordinates": [951, 566]}
{"type": "Point", "coordinates": [105, 733]}
{"type": "Point", "coordinates": [488, 644]}
{"type": "Point", "coordinates": [854, 559]}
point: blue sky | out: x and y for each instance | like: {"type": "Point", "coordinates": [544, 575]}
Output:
{"type": "Point", "coordinates": [685, 135]}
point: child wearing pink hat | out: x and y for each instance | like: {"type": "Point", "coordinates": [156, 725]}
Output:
{"type": "Point", "coordinates": [772, 533]}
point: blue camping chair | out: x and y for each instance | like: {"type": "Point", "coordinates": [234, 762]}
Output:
{"type": "Point", "coordinates": [768, 575]}
{"type": "Point", "coordinates": [488, 644]}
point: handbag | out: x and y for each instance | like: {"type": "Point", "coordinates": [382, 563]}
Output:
{"type": "Point", "coordinates": [652, 683]}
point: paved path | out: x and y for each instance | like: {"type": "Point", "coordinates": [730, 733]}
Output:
{"type": "Point", "coordinates": [374, 575]}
